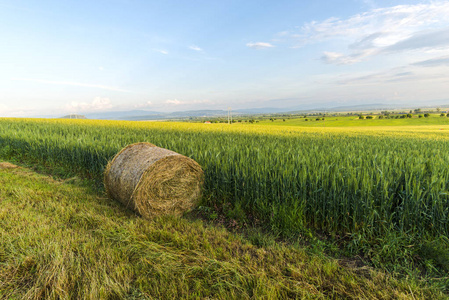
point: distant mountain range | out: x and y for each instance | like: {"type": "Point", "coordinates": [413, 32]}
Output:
{"type": "Point", "coordinates": [155, 115]}
{"type": "Point", "coordinates": [137, 115]}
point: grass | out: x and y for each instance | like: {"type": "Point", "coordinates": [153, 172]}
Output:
{"type": "Point", "coordinates": [62, 239]}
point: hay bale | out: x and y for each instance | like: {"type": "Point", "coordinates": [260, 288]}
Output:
{"type": "Point", "coordinates": [7, 165]}
{"type": "Point", "coordinates": [154, 181]}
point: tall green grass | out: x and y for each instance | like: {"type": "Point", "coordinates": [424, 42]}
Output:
{"type": "Point", "coordinates": [355, 186]}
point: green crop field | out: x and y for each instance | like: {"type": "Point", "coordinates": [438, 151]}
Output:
{"type": "Point", "coordinates": [355, 121]}
{"type": "Point", "coordinates": [379, 192]}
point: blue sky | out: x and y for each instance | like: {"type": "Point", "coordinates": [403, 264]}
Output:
{"type": "Point", "coordinates": [88, 56]}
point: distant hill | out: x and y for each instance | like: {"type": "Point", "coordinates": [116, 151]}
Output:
{"type": "Point", "coordinates": [180, 115]}
{"type": "Point", "coordinates": [74, 116]}
{"type": "Point", "coordinates": [328, 107]}
{"type": "Point", "coordinates": [136, 115]}
{"type": "Point", "coordinates": [264, 110]}
{"type": "Point", "coordinates": [121, 115]}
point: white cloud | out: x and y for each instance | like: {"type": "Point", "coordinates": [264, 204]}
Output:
{"type": "Point", "coordinates": [259, 45]}
{"type": "Point", "coordinates": [72, 83]}
{"type": "Point", "coordinates": [174, 102]}
{"type": "Point", "coordinates": [195, 48]}
{"type": "Point", "coordinates": [143, 105]}
{"type": "Point", "coordinates": [380, 31]}
{"type": "Point", "coordinates": [98, 103]}
{"type": "Point", "coordinates": [101, 103]}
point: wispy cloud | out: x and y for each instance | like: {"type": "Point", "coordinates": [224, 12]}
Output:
{"type": "Point", "coordinates": [394, 74]}
{"type": "Point", "coordinates": [379, 31]}
{"type": "Point", "coordinates": [434, 62]}
{"type": "Point", "coordinates": [72, 83]}
{"type": "Point", "coordinates": [195, 48]}
{"type": "Point", "coordinates": [426, 39]}
{"type": "Point", "coordinates": [259, 45]}
{"type": "Point", "coordinates": [413, 74]}
{"type": "Point", "coordinates": [341, 59]}
{"type": "Point", "coordinates": [161, 51]}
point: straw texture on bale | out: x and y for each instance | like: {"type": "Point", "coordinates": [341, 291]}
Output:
{"type": "Point", "coordinates": [154, 181]}
{"type": "Point", "coordinates": [7, 165]}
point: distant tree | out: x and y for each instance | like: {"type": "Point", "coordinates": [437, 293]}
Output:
{"type": "Point", "coordinates": [283, 120]}
{"type": "Point", "coordinates": [438, 109]}
{"type": "Point", "coordinates": [317, 119]}
{"type": "Point", "coordinates": [426, 115]}
{"type": "Point", "coordinates": [251, 121]}
{"type": "Point", "coordinates": [418, 110]}
{"type": "Point", "coordinates": [322, 119]}
{"type": "Point", "coordinates": [442, 115]}
{"type": "Point", "coordinates": [409, 115]}
{"type": "Point", "coordinates": [361, 117]}
{"type": "Point", "coordinates": [411, 111]}
{"type": "Point", "coordinates": [381, 117]}
{"type": "Point", "coordinates": [306, 120]}
{"type": "Point", "coordinates": [370, 117]}
{"type": "Point", "coordinates": [403, 116]}
{"type": "Point", "coordinates": [447, 115]}
{"type": "Point", "coordinates": [420, 116]}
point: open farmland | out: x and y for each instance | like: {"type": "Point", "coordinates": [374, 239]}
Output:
{"type": "Point", "coordinates": [343, 120]}
{"type": "Point", "coordinates": [379, 192]}
{"type": "Point", "coordinates": [61, 239]}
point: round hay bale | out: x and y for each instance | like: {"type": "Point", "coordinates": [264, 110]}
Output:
{"type": "Point", "coordinates": [7, 165]}
{"type": "Point", "coordinates": [154, 181]}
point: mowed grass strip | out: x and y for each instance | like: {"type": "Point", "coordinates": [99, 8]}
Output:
{"type": "Point", "coordinates": [62, 240]}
